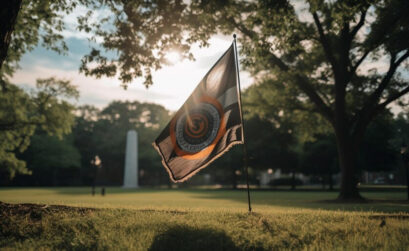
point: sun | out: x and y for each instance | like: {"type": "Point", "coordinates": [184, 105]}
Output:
{"type": "Point", "coordinates": [173, 57]}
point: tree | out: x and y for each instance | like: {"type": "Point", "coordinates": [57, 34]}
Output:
{"type": "Point", "coordinates": [317, 52]}
{"type": "Point", "coordinates": [103, 133]}
{"type": "Point", "coordinates": [401, 128]}
{"type": "Point", "coordinates": [377, 151]}
{"type": "Point", "coordinates": [316, 57]}
{"type": "Point", "coordinates": [320, 158]}
{"type": "Point", "coordinates": [25, 24]}
{"type": "Point", "coordinates": [142, 33]}
{"type": "Point", "coordinates": [9, 12]}
{"type": "Point", "coordinates": [84, 141]}
{"type": "Point", "coordinates": [21, 113]}
{"type": "Point", "coordinates": [268, 146]}
{"type": "Point", "coordinates": [52, 161]}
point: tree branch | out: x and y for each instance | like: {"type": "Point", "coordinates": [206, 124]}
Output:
{"type": "Point", "coordinates": [243, 29]}
{"type": "Point", "coordinates": [324, 41]}
{"type": "Point", "coordinates": [307, 88]}
{"type": "Point", "coordinates": [359, 25]}
{"type": "Point", "coordinates": [301, 81]}
{"type": "Point", "coordinates": [370, 108]}
{"type": "Point", "coordinates": [373, 46]}
{"type": "Point", "coordinates": [344, 60]}
{"type": "Point", "coordinates": [364, 122]}
{"type": "Point", "coordinates": [392, 98]}
{"type": "Point", "coordinates": [358, 63]}
{"type": "Point", "coordinates": [385, 81]}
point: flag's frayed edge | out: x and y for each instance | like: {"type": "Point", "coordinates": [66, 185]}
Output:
{"type": "Point", "coordinates": [229, 146]}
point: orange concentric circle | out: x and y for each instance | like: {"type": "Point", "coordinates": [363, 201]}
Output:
{"type": "Point", "coordinates": [195, 132]}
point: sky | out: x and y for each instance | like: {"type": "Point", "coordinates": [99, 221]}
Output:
{"type": "Point", "coordinates": [172, 85]}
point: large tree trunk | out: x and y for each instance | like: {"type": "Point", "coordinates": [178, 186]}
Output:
{"type": "Point", "coordinates": [347, 153]}
{"type": "Point", "coordinates": [9, 10]}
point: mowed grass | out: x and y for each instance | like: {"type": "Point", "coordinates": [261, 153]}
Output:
{"type": "Point", "coordinates": [149, 219]}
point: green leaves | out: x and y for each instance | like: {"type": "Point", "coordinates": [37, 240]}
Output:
{"type": "Point", "coordinates": [38, 21]}
{"type": "Point", "coordinates": [135, 38]}
{"type": "Point", "coordinates": [103, 133]}
{"type": "Point", "coordinates": [22, 113]}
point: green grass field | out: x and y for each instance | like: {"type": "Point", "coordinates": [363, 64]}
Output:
{"type": "Point", "coordinates": [200, 220]}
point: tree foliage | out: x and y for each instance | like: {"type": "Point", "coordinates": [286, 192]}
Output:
{"type": "Point", "coordinates": [51, 160]}
{"type": "Point", "coordinates": [39, 22]}
{"type": "Point", "coordinates": [339, 61]}
{"type": "Point", "coordinates": [315, 56]}
{"type": "Point", "coordinates": [22, 112]}
{"type": "Point", "coordinates": [103, 133]}
{"type": "Point", "coordinates": [378, 151]}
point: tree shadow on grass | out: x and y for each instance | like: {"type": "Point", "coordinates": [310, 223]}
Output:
{"type": "Point", "coordinates": [188, 238]}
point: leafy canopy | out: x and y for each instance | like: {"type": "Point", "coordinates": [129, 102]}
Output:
{"type": "Point", "coordinates": [23, 112]}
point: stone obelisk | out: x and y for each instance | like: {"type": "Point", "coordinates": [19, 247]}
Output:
{"type": "Point", "coordinates": [131, 160]}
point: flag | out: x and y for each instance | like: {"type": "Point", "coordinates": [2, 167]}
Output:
{"type": "Point", "coordinates": [207, 125]}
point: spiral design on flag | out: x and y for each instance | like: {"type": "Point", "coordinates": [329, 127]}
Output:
{"type": "Point", "coordinates": [197, 128]}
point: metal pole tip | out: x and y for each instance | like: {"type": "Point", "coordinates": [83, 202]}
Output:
{"type": "Point", "coordinates": [234, 36]}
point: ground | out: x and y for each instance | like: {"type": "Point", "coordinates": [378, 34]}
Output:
{"type": "Point", "coordinates": [71, 218]}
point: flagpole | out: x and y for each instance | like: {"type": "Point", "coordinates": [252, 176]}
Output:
{"type": "Point", "coordinates": [245, 156]}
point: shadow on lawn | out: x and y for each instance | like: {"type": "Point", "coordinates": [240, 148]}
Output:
{"type": "Point", "coordinates": [187, 238]}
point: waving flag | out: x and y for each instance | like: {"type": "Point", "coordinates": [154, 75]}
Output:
{"type": "Point", "coordinates": [207, 125]}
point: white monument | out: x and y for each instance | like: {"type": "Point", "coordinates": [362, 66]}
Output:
{"type": "Point", "coordinates": [131, 160]}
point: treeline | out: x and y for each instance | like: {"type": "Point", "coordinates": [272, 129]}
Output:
{"type": "Point", "coordinates": [280, 146]}
{"type": "Point", "coordinates": [97, 134]}
{"type": "Point", "coordinates": [101, 134]}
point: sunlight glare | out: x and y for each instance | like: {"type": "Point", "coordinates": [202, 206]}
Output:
{"type": "Point", "coordinates": [173, 57]}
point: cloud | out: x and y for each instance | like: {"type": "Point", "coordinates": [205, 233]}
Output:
{"type": "Point", "coordinates": [172, 84]}
{"type": "Point", "coordinates": [98, 92]}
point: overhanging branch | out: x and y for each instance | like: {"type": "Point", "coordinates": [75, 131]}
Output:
{"type": "Point", "coordinates": [324, 41]}
{"type": "Point", "coordinates": [367, 118]}
{"type": "Point", "coordinates": [386, 80]}
{"type": "Point", "coordinates": [307, 88]}
{"type": "Point", "coordinates": [392, 98]}
{"type": "Point", "coordinates": [359, 62]}
{"type": "Point", "coordinates": [359, 25]}
{"type": "Point", "coordinates": [372, 100]}
{"type": "Point", "coordinates": [301, 81]}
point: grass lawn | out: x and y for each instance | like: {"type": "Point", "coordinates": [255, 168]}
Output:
{"type": "Point", "coordinates": [177, 219]}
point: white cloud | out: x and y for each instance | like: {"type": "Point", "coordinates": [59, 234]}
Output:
{"type": "Point", "coordinates": [71, 22]}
